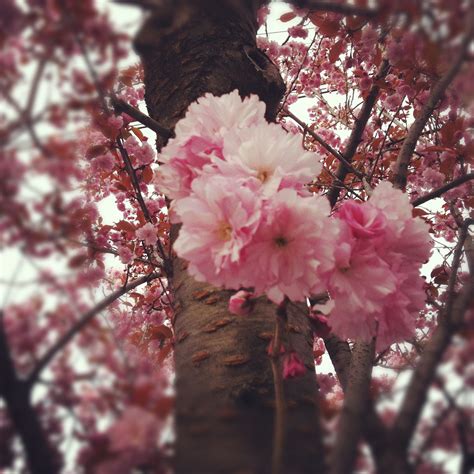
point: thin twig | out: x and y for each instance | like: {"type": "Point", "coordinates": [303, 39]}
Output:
{"type": "Point", "coordinates": [449, 322]}
{"type": "Point", "coordinates": [81, 323]}
{"type": "Point", "coordinates": [323, 143]}
{"type": "Point", "coordinates": [356, 134]}
{"type": "Point", "coordinates": [436, 94]}
{"type": "Point", "coordinates": [440, 191]}
{"type": "Point", "coordinates": [333, 7]}
{"type": "Point", "coordinates": [122, 106]}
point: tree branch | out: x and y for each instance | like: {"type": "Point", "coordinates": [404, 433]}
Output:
{"type": "Point", "coordinates": [343, 9]}
{"type": "Point", "coordinates": [81, 323]}
{"type": "Point", "coordinates": [440, 191]}
{"type": "Point", "coordinates": [356, 134]}
{"type": "Point", "coordinates": [25, 419]}
{"type": "Point", "coordinates": [436, 94]}
{"type": "Point", "coordinates": [450, 321]}
{"type": "Point", "coordinates": [355, 407]}
{"type": "Point", "coordinates": [323, 143]}
{"type": "Point", "coordinates": [122, 106]}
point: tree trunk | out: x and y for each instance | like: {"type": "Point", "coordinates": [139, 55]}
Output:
{"type": "Point", "coordinates": [224, 384]}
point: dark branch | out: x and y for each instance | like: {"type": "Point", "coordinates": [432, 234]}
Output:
{"type": "Point", "coordinates": [121, 106]}
{"type": "Point", "coordinates": [356, 402]}
{"type": "Point", "coordinates": [343, 9]}
{"type": "Point", "coordinates": [450, 321]}
{"type": "Point", "coordinates": [81, 323]}
{"type": "Point", "coordinates": [356, 134]}
{"type": "Point", "coordinates": [440, 191]}
{"type": "Point", "coordinates": [24, 417]}
{"type": "Point", "coordinates": [323, 143]}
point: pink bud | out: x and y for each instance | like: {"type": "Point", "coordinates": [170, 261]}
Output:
{"type": "Point", "coordinates": [320, 324]}
{"type": "Point", "coordinates": [241, 303]}
{"type": "Point", "coordinates": [293, 366]}
{"type": "Point", "coordinates": [270, 348]}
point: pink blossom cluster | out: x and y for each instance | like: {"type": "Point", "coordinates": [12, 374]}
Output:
{"type": "Point", "coordinates": [247, 221]}
{"type": "Point", "coordinates": [376, 285]}
{"type": "Point", "coordinates": [238, 184]}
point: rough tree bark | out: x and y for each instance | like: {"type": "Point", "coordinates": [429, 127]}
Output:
{"type": "Point", "coordinates": [225, 395]}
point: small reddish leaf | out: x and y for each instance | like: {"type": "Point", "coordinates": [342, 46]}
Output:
{"type": "Point", "coordinates": [147, 174]}
{"type": "Point", "coordinates": [77, 260]}
{"type": "Point", "coordinates": [125, 226]}
{"type": "Point", "coordinates": [287, 17]}
{"type": "Point", "coordinates": [96, 150]}
{"type": "Point", "coordinates": [138, 133]}
{"type": "Point", "coordinates": [161, 332]}
{"type": "Point", "coordinates": [336, 51]}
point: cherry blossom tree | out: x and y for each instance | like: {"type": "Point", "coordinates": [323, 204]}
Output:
{"type": "Point", "coordinates": [282, 282]}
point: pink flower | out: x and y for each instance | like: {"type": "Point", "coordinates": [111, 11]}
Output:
{"type": "Point", "coordinates": [392, 102]}
{"type": "Point", "coordinates": [241, 303]}
{"type": "Point", "coordinates": [405, 234]}
{"type": "Point", "coordinates": [137, 429]}
{"type": "Point", "coordinates": [185, 162]}
{"type": "Point", "coordinates": [219, 219]}
{"type": "Point", "coordinates": [147, 233]}
{"type": "Point", "coordinates": [364, 220]}
{"type": "Point", "coordinates": [293, 366]}
{"type": "Point", "coordinates": [141, 151]}
{"type": "Point", "coordinates": [293, 248]}
{"type": "Point", "coordinates": [125, 254]}
{"type": "Point", "coordinates": [115, 121]}
{"type": "Point", "coordinates": [210, 117]}
{"type": "Point", "coordinates": [298, 31]}
{"type": "Point", "coordinates": [376, 284]}
{"type": "Point", "coordinates": [275, 159]}
{"type": "Point", "coordinates": [360, 286]}
{"type": "Point", "coordinates": [103, 163]}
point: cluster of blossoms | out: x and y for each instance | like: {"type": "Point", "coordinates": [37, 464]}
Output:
{"type": "Point", "coordinates": [238, 189]}
{"type": "Point", "coordinates": [376, 285]}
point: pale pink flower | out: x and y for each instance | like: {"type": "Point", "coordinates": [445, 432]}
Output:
{"type": "Point", "coordinates": [125, 254]}
{"type": "Point", "coordinates": [147, 233]}
{"type": "Point", "coordinates": [103, 163]}
{"type": "Point", "coordinates": [392, 102]}
{"type": "Point", "coordinates": [395, 206]}
{"type": "Point", "coordinates": [211, 117]}
{"type": "Point", "coordinates": [293, 249]}
{"type": "Point", "coordinates": [241, 303]}
{"type": "Point", "coordinates": [136, 430]}
{"type": "Point", "coordinates": [141, 151]}
{"type": "Point", "coordinates": [219, 219]}
{"type": "Point", "coordinates": [276, 159]}
{"type": "Point", "coordinates": [298, 31]}
{"type": "Point", "coordinates": [293, 366]}
{"type": "Point", "coordinates": [115, 121]}
{"type": "Point", "coordinates": [405, 234]}
{"type": "Point", "coordinates": [183, 163]}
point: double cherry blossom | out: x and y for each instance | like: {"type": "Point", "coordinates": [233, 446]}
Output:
{"type": "Point", "coordinates": [238, 185]}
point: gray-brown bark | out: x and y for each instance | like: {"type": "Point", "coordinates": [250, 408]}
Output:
{"type": "Point", "coordinates": [224, 383]}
